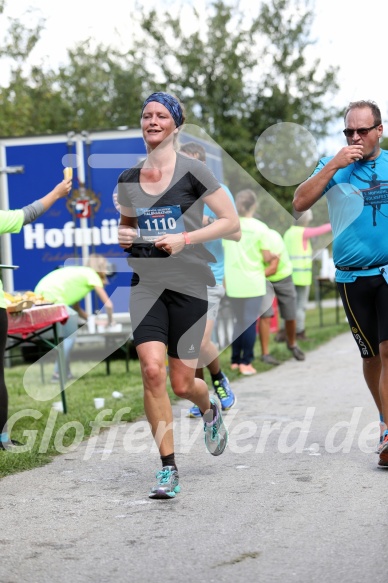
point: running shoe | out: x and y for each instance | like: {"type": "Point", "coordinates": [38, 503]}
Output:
{"type": "Point", "coordinates": [194, 412]}
{"type": "Point", "coordinates": [167, 484]}
{"type": "Point", "coordinates": [224, 393]}
{"type": "Point", "coordinates": [383, 429]}
{"type": "Point", "coordinates": [383, 452]}
{"type": "Point", "coordinates": [216, 434]}
{"type": "Point", "coordinates": [234, 366]}
{"type": "Point", "coordinates": [9, 445]}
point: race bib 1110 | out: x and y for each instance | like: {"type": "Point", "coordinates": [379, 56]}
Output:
{"type": "Point", "coordinates": [157, 221]}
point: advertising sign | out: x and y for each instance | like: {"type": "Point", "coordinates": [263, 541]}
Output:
{"type": "Point", "coordinates": [87, 221]}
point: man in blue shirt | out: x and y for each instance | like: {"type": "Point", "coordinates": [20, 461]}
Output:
{"type": "Point", "coordinates": [355, 182]}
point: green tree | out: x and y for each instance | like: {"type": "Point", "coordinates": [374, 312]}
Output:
{"type": "Point", "coordinates": [291, 90]}
{"type": "Point", "coordinates": [384, 143]}
{"type": "Point", "coordinates": [237, 79]}
{"type": "Point", "coordinates": [102, 88]}
{"type": "Point", "coordinates": [99, 87]}
{"type": "Point", "coordinates": [16, 106]}
{"type": "Point", "coordinates": [207, 69]}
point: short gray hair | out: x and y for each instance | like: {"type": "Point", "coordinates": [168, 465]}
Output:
{"type": "Point", "coordinates": [360, 105]}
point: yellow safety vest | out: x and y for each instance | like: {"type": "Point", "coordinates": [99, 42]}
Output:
{"type": "Point", "coordinates": [301, 259]}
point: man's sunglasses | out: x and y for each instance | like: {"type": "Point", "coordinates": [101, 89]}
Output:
{"type": "Point", "coordinates": [361, 131]}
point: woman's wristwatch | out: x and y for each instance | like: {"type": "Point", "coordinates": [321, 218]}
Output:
{"type": "Point", "coordinates": [188, 243]}
{"type": "Point", "coordinates": [186, 237]}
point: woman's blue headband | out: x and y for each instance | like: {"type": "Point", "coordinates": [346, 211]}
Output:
{"type": "Point", "coordinates": [170, 102]}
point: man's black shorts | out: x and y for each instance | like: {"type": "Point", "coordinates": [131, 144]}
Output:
{"type": "Point", "coordinates": [174, 318]}
{"type": "Point", "coordinates": [366, 306]}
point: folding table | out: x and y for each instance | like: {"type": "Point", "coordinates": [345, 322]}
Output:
{"type": "Point", "coordinates": [31, 325]}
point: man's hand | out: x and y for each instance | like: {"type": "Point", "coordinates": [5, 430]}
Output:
{"type": "Point", "coordinates": [348, 155]}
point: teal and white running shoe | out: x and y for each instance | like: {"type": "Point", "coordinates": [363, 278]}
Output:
{"type": "Point", "coordinates": [216, 434]}
{"type": "Point", "coordinates": [167, 484]}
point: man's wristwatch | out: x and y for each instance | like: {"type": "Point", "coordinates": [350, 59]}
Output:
{"type": "Point", "coordinates": [210, 220]}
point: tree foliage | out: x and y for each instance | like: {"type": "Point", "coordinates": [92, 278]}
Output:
{"type": "Point", "coordinates": [101, 87]}
{"type": "Point", "coordinates": [16, 107]}
{"type": "Point", "coordinates": [236, 76]}
{"type": "Point", "coordinates": [384, 143]}
{"type": "Point", "coordinates": [238, 79]}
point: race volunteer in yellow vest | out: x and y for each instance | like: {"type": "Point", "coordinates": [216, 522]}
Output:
{"type": "Point", "coordinates": [298, 244]}
{"type": "Point", "coordinates": [279, 272]}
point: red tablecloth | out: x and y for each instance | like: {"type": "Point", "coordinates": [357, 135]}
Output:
{"type": "Point", "coordinates": [33, 319]}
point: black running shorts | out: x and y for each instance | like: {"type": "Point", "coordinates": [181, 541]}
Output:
{"type": "Point", "coordinates": [176, 319]}
{"type": "Point", "coordinates": [366, 305]}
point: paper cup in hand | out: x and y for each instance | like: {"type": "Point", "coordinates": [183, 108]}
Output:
{"type": "Point", "coordinates": [68, 173]}
{"type": "Point", "coordinates": [99, 402]}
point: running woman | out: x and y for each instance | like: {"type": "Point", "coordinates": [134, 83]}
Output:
{"type": "Point", "coordinates": [162, 200]}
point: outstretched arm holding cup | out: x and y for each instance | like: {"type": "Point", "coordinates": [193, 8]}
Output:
{"type": "Point", "coordinates": [12, 221]}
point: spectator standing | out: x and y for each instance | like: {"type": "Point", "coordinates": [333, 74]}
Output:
{"type": "Point", "coordinates": [298, 243]}
{"type": "Point", "coordinates": [209, 352]}
{"type": "Point", "coordinates": [279, 273]}
{"type": "Point", "coordinates": [12, 221]}
{"type": "Point", "coordinates": [245, 279]}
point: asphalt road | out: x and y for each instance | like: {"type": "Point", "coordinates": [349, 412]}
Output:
{"type": "Point", "coordinates": [297, 495]}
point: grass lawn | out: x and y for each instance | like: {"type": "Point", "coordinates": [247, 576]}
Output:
{"type": "Point", "coordinates": [48, 432]}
